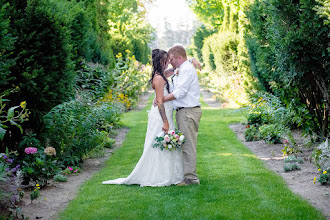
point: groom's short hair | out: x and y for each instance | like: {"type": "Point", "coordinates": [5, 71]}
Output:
{"type": "Point", "coordinates": [178, 51]}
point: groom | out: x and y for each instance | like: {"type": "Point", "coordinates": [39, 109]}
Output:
{"type": "Point", "coordinates": [185, 97]}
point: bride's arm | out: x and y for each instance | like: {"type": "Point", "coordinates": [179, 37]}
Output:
{"type": "Point", "coordinates": [169, 72]}
{"type": "Point", "coordinates": [158, 83]}
{"type": "Point", "coordinates": [195, 63]}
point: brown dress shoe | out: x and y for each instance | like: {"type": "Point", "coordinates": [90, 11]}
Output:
{"type": "Point", "coordinates": [188, 182]}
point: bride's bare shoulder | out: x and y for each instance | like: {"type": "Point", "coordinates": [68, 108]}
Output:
{"type": "Point", "coordinates": [158, 81]}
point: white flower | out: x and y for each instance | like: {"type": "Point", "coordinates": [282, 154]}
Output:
{"type": "Point", "coordinates": [169, 146]}
{"type": "Point", "coordinates": [181, 138]}
{"type": "Point", "coordinates": [167, 138]}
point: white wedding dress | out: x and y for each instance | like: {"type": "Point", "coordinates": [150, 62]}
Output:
{"type": "Point", "coordinates": [156, 167]}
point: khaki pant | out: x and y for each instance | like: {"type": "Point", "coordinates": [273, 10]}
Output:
{"type": "Point", "coordinates": [187, 120]}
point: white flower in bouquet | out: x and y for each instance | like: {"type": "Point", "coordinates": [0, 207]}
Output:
{"type": "Point", "coordinates": [167, 138]}
{"type": "Point", "coordinates": [181, 138]}
{"type": "Point", "coordinates": [169, 146]}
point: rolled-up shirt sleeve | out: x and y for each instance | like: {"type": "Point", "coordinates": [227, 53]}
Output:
{"type": "Point", "coordinates": [182, 85]}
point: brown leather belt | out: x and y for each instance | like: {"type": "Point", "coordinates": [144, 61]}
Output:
{"type": "Point", "coordinates": [179, 108]}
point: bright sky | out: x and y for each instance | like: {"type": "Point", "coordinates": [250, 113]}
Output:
{"type": "Point", "coordinates": [174, 11]}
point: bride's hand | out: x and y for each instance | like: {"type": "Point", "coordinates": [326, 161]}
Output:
{"type": "Point", "coordinates": [169, 72]}
{"type": "Point", "coordinates": [155, 102]}
{"type": "Point", "coordinates": [165, 127]}
{"type": "Point", "coordinates": [196, 64]}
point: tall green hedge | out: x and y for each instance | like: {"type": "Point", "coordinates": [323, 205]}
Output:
{"type": "Point", "coordinates": [43, 68]}
{"type": "Point", "coordinates": [288, 50]}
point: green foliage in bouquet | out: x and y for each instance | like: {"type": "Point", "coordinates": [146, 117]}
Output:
{"type": "Point", "coordinates": [173, 139]}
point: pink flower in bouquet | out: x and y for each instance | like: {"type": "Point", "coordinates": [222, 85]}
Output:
{"type": "Point", "coordinates": [70, 168]}
{"type": "Point", "coordinates": [177, 137]}
{"type": "Point", "coordinates": [167, 138]}
{"type": "Point", "coordinates": [172, 132]}
{"type": "Point", "coordinates": [31, 150]}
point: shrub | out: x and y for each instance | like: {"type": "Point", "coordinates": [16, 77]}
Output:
{"type": "Point", "coordinates": [10, 188]}
{"type": "Point", "coordinates": [39, 167]}
{"type": "Point", "coordinates": [70, 170]}
{"type": "Point", "coordinates": [321, 157]}
{"type": "Point", "coordinates": [292, 159]}
{"type": "Point", "coordinates": [60, 178]}
{"type": "Point", "coordinates": [291, 147]}
{"type": "Point", "coordinates": [272, 134]}
{"type": "Point", "coordinates": [252, 133]}
{"type": "Point", "coordinates": [74, 127]}
{"type": "Point", "coordinates": [43, 70]}
{"type": "Point", "coordinates": [257, 119]}
{"type": "Point", "coordinates": [291, 166]}
{"type": "Point", "coordinates": [291, 58]}
{"type": "Point", "coordinates": [324, 177]}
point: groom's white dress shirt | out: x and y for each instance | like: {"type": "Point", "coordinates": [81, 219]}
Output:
{"type": "Point", "coordinates": [186, 86]}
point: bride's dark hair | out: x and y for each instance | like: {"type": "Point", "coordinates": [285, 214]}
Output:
{"type": "Point", "coordinates": [159, 59]}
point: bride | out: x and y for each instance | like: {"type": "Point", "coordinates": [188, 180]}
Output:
{"type": "Point", "coordinates": [157, 167]}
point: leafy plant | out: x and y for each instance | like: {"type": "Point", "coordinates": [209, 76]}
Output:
{"type": "Point", "coordinates": [10, 187]}
{"type": "Point", "coordinates": [60, 178]}
{"type": "Point", "coordinates": [291, 147]}
{"type": "Point", "coordinates": [271, 133]}
{"type": "Point", "coordinates": [35, 193]}
{"type": "Point", "coordinates": [291, 166]}
{"type": "Point", "coordinates": [321, 157]}
{"type": "Point", "coordinates": [76, 127]}
{"type": "Point", "coordinates": [252, 133]}
{"type": "Point", "coordinates": [11, 115]}
{"type": "Point", "coordinates": [291, 159]}
{"type": "Point", "coordinates": [38, 166]}
{"type": "Point", "coordinates": [324, 177]}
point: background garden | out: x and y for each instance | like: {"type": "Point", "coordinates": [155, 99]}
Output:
{"type": "Point", "coordinates": [70, 69]}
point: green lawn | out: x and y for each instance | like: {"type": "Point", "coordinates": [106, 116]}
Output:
{"type": "Point", "coordinates": [234, 183]}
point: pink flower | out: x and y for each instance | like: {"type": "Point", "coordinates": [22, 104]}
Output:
{"type": "Point", "coordinates": [172, 132]}
{"type": "Point", "coordinates": [285, 141]}
{"type": "Point", "coordinates": [31, 150]}
{"type": "Point", "coordinates": [177, 137]}
{"type": "Point", "coordinates": [70, 168]}
{"type": "Point", "coordinates": [76, 171]}
{"type": "Point", "coordinates": [167, 138]}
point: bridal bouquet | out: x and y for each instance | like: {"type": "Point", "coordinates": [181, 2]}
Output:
{"type": "Point", "coordinates": [173, 139]}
